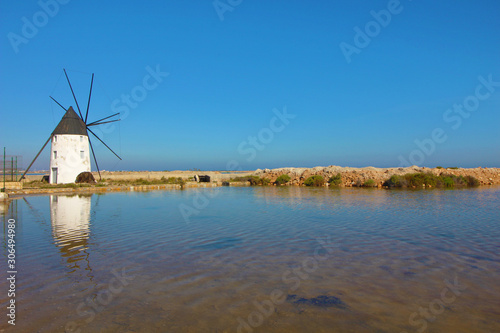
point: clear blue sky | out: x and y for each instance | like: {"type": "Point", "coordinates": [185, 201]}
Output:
{"type": "Point", "coordinates": [356, 101]}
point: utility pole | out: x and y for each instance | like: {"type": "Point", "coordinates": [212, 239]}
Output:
{"type": "Point", "coordinates": [3, 189]}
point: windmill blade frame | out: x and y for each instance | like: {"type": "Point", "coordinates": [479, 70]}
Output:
{"type": "Point", "coordinates": [70, 87]}
{"type": "Point", "coordinates": [88, 129]}
{"type": "Point", "coordinates": [28, 168]}
{"type": "Point", "coordinates": [95, 159]}
{"type": "Point", "coordinates": [58, 103]}
{"type": "Point", "coordinates": [90, 94]}
{"type": "Point", "coordinates": [104, 122]}
{"type": "Point", "coordinates": [94, 122]}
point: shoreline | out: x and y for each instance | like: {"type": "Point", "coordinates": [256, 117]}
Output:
{"type": "Point", "coordinates": [103, 189]}
{"type": "Point", "coordinates": [349, 177]}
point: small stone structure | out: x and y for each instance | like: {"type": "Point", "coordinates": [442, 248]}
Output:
{"type": "Point", "coordinates": [202, 178]}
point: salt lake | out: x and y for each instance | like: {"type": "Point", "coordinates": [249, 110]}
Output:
{"type": "Point", "coordinates": [257, 259]}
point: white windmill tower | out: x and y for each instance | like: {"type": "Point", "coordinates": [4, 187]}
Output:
{"type": "Point", "coordinates": [69, 154]}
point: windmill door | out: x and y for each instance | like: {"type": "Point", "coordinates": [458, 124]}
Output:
{"type": "Point", "coordinates": [54, 176]}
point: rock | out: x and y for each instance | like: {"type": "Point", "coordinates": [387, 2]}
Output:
{"type": "Point", "coordinates": [350, 176]}
{"type": "Point", "coordinates": [85, 177]}
{"type": "Point", "coordinates": [319, 301]}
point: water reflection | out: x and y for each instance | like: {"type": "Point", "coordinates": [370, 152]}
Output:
{"type": "Point", "coordinates": [8, 210]}
{"type": "Point", "coordinates": [70, 217]}
{"type": "Point", "coordinates": [4, 207]}
{"type": "Point", "coordinates": [321, 197]}
{"type": "Point", "coordinates": [384, 255]}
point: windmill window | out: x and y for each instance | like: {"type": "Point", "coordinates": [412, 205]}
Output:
{"type": "Point", "coordinates": [82, 154]}
{"type": "Point", "coordinates": [55, 154]}
{"type": "Point", "coordinates": [55, 138]}
{"type": "Point", "coordinates": [81, 138]}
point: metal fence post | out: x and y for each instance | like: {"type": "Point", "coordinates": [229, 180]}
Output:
{"type": "Point", "coordinates": [3, 189]}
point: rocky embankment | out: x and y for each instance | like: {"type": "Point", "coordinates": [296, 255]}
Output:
{"type": "Point", "coordinates": [355, 176]}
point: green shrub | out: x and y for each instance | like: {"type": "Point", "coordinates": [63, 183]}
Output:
{"type": "Point", "coordinates": [439, 167]}
{"type": "Point", "coordinates": [452, 168]}
{"type": "Point", "coordinates": [457, 180]}
{"type": "Point", "coordinates": [335, 180]}
{"type": "Point", "coordinates": [254, 180]}
{"type": "Point", "coordinates": [162, 180]}
{"type": "Point", "coordinates": [283, 179]}
{"type": "Point", "coordinates": [471, 181]}
{"type": "Point", "coordinates": [448, 182]}
{"type": "Point", "coordinates": [181, 182]}
{"type": "Point", "coordinates": [142, 181]}
{"type": "Point", "coordinates": [316, 180]}
{"type": "Point", "coordinates": [396, 181]}
{"type": "Point", "coordinates": [370, 183]}
{"type": "Point", "coordinates": [420, 179]}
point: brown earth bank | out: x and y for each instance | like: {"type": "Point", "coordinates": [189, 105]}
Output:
{"type": "Point", "coordinates": [355, 176]}
{"type": "Point", "coordinates": [116, 181]}
{"type": "Point", "coordinates": [156, 175]}
{"type": "Point", "coordinates": [350, 175]}
{"type": "Point", "coordinates": [103, 189]}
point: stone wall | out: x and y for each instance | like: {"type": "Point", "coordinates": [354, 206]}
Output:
{"type": "Point", "coordinates": [12, 185]}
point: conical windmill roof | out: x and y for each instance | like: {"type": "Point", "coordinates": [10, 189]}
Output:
{"type": "Point", "coordinates": [71, 123]}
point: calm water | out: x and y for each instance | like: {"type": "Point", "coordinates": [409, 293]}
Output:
{"type": "Point", "coordinates": [259, 259]}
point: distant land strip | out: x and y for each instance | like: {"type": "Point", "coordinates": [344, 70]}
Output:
{"type": "Point", "coordinates": [411, 177]}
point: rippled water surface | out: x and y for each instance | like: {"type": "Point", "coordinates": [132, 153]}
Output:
{"type": "Point", "coordinates": [260, 259]}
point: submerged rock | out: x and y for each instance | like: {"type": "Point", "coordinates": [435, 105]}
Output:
{"type": "Point", "coordinates": [323, 301]}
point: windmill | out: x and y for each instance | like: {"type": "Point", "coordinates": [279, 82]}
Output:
{"type": "Point", "coordinates": [69, 155]}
